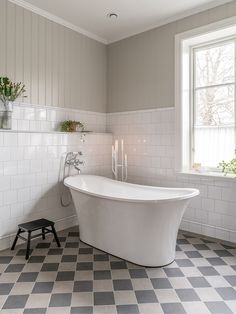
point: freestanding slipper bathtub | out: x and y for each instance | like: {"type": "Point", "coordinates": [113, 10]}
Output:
{"type": "Point", "coordinates": [134, 222]}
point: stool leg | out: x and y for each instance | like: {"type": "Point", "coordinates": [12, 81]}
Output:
{"type": "Point", "coordinates": [15, 240]}
{"type": "Point", "coordinates": [55, 236]}
{"type": "Point", "coordinates": [28, 246]}
{"type": "Point", "coordinates": [43, 233]}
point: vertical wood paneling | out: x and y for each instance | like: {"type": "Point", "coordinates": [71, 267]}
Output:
{"type": "Point", "coordinates": [34, 59]}
{"type": "Point", "coordinates": [67, 73]}
{"type": "Point", "coordinates": [10, 42]}
{"type": "Point", "coordinates": [55, 63]}
{"type": "Point", "coordinates": [3, 10]}
{"type": "Point", "coordinates": [19, 55]}
{"type": "Point", "coordinates": [48, 63]}
{"type": "Point", "coordinates": [27, 55]}
{"type": "Point", "coordinates": [61, 85]}
{"type": "Point", "coordinates": [42, 61]}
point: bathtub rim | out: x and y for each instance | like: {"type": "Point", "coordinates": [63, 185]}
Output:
{"type": "Point", "coordinates": [192, 192]}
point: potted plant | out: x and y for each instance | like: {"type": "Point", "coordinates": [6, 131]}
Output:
{"type": "Point", "coordinates": [228, 167]}
{"type": "Point", "coordinates": [9, 92]}
{"type": "Point", "coordinates": [71, 126]}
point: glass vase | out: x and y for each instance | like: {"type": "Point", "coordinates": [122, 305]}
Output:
{"type": "Point", "coordinates": [6, 116]}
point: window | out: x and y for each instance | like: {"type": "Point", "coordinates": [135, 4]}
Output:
{"type": "Point", "coordinates": [212, 111]}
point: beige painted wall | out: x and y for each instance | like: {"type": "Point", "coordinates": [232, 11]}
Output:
{"type": "Point", "coordinates": [60, 67]}
{"type": "Point", "coordinates": [141, 68]}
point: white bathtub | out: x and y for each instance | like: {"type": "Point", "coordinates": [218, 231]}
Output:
{"type": "Point", "coordinates": [134, 222]}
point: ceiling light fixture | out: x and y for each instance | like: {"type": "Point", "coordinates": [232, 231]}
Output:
{"type": "Point", "coordinates": [112, 16]}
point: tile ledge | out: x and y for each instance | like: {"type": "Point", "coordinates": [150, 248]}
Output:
{"type": "Point", "coordinates": [215, 175]}
{"type": "Point", "coordinates": [54, 132]}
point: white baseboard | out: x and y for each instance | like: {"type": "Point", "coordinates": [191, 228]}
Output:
{"type": "Point", "coordinates": [60, 224]}
{"type": "Point", "coordinates": [209, 230]}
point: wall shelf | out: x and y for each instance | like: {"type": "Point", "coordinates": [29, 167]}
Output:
{"type": "Point", "coordinates": [55, 132]}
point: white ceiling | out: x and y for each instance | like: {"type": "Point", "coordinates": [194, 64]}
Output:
{"type": "Point", "coordinates": [135, 16]}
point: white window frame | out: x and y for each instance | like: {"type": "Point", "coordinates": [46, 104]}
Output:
{"type": "Point", "coordinates": [194, 89]}
{"type": "Point", "coordinates": [184, 43]}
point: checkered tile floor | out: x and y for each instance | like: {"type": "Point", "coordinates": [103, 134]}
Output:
{"type": "Point", "coordinates": [79, 279]}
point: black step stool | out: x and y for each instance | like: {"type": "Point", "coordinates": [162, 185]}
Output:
{"type": "Point", "coordinates": [34, 226]}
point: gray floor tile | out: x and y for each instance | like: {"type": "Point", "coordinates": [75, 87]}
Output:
{"type": "Point", "coordinates": [84, 266]}
{"type": "Point", "coordinates": [72, 245]}
{"type": "Point", "coordinates": [35, 311]}
{"type": "Point", "coordinates": [36, 259]}
{"type": "Point", "coordinates": [101, 257]}
{"type": "Point", "coordinates": [127, 309]}
{"type": "Point", "coordinates": [69, 258]}
{"type": "Point", "coordinates": [231, 279]}
{"type": "Point", "coordinates": [182, 241]}
{"type": "Point", "coordinates": [173, 308]}
{"type": "Point", "coordinates": [122, 284]}
{"type": "Point", "coordinates": [187, 295]}
{"type": "Point", "coordinates": [82, 310]}
{"type": "Point", "coordinates": [193, 254]}
{"type": "Point", "coordinates": [43, 245]}
{"type": "Point", "coordinates": [65, 276]}
{"type": "Point", "coordinates": [104, 298]}
{"type": "Point", "coordinates": [85, 251]}
{"type": "Point", "coordinates": [118, 265]}
{"type": "Point", "coordinates": [200, 247]}
{"type": "Point", "coordinates": [43, 287]}
{"type": "Point", "coordinates": [50, 267]}
{"type": "Point", "coordinates": [223, 253]}
{"type": "Point", "coordinates": [227, 293]}
{"type": "Point", "coordinates": [14, 268]}
{"type": "Point", "coordinates": [60, 300]}
{"type": "Point", "coordinates": [28, 277]}
{"type": "Point", "coordinates": [216, 261]}
{"type": "Point", "coordinates": [161, 283]}
{"type": "Point", "coordinates": [208, 271]}
{"type": "Point", "coordinates": [218, 307]}
{"type": "Point", "coordinates": [138, 273]}
{"type": "Point", "coordinates": [5, 288]}
{"type": "Point", "coordinates": [146, 296]}
{"type": "Point", "coordinates": [55, 252]}
{"type": "Point", "coordinates": [73, 234]}
{"type": "Point", "coordinates": [184, 263]}
{"type": "Point", "coordinates": [15, 302]}
{"type": "Point", "coordinates": [173, 272]}
{"type": "Point", "coordinates": [22, 252]}
{"type": "Point", "coordinates": [5, 259]}
{"type": "Point", "coordinates": [199, 282]}
{"type": "Point", "coordinates": [83, 286]}
{"type": "Point", "coordinates": [102, 274]}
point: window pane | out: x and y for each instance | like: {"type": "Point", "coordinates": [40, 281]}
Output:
{"type": "Point", "coordinates": [214, 125]}
{"type": "Point", "coordinates": [214, 106]}
{"type": "Point", "coordinates": [214, 65]}
{"type": "Point", "coordinates": [213, 144]}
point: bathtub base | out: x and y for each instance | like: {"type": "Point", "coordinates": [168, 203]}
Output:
{"type": "Point", "coordinates": [158, 266]}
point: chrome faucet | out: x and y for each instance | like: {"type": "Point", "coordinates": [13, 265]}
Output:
{"type": "Point", "coordinates": [73, 160]}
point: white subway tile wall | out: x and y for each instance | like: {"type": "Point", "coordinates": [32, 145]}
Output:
{"type": "Point", "coordinates": [150, 144]}
{"type": "Point", "coordinates": [37, 118]}
{"type": "Point", "coordinates": [31, 166]}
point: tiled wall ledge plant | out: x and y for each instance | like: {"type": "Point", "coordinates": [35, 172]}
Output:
{"type": "Point", "coordinates": [42, 118]}
{"type": "Point", "coordinates": [150, 144]}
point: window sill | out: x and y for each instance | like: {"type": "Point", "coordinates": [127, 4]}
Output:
{"type": "Point", "coordinates": [210, 174]}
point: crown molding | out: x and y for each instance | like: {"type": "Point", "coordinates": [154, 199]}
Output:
{"type": "Point", "coordinates": [58, 20]}
{"type": "Point", "coordinates": [75, 28]}
{"type": "Point", "coordinates": [176, 17]}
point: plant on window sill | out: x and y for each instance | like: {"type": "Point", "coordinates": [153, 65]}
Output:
{"type": "Point", "coordinates": [228, 167]}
